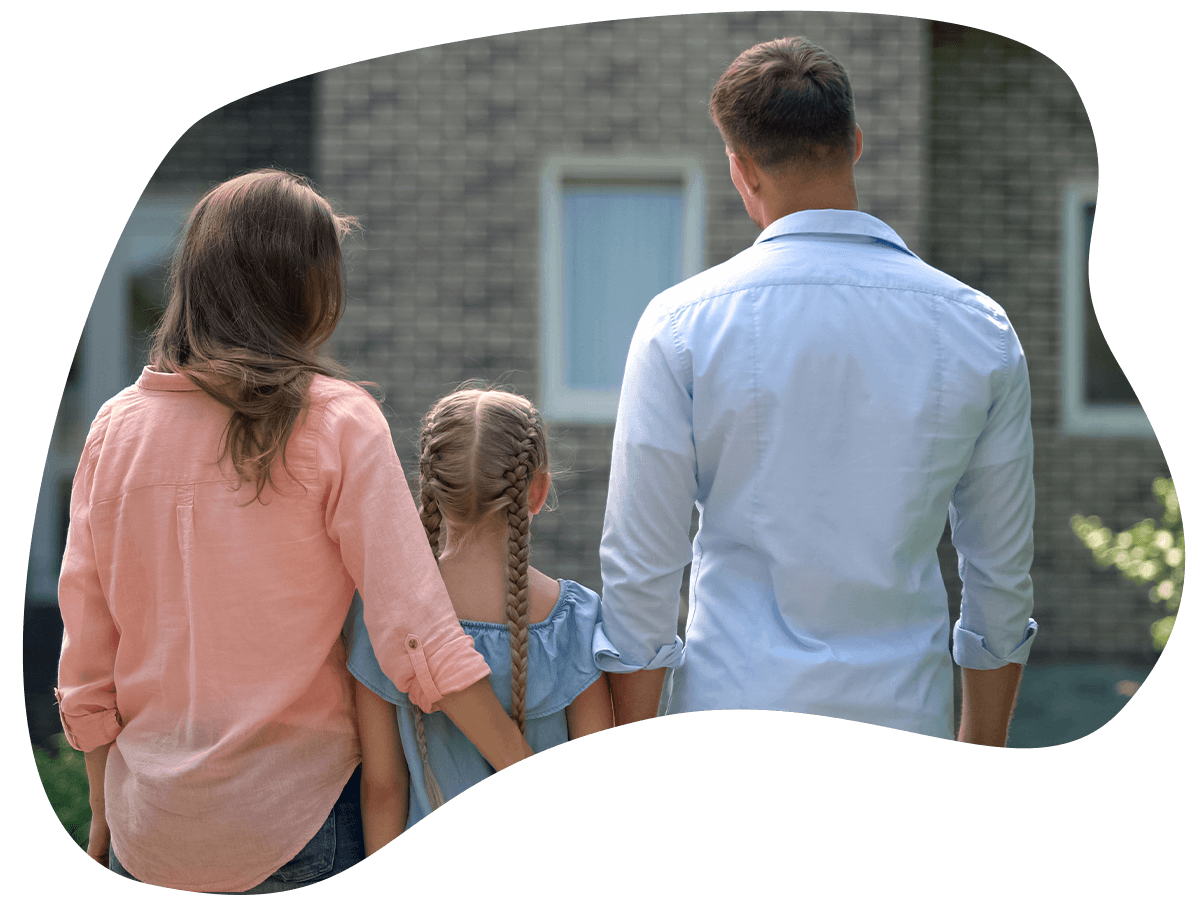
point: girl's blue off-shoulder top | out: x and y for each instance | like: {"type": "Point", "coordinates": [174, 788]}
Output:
{"type": "Point", "coordinates": [561, 667]}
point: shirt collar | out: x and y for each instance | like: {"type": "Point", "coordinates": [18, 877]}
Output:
{"type": "Point", "coordinates": [833, 222]}
{"type": "Point", "coordinates": [153, 380]}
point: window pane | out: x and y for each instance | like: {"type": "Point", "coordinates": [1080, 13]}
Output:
{"type": "Point", "coordinates": [1105, 383]}
{"type": "Point", "coordinates": [622, 244]}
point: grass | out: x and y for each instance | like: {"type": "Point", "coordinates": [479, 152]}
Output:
{"type": "Point", "coordinates": [64, 778]}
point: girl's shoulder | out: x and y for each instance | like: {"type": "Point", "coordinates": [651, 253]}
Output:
{"type": "Point", "coordinates": [561, 661]}
{"type": "Point", "coordinates": [583, 601]}
{"type": "Point", "coordinates": [574, 607]}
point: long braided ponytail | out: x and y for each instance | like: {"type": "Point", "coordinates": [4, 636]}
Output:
{"type": "Point", "coordinates": [516, 582]}
{"type": "Point", "coordinates": [479, 452]}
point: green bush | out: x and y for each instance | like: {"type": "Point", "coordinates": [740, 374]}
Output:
{"type": "Point", "coordinates": [1151, 552]}
{"type": "Point", "coordinates": [64, 777]}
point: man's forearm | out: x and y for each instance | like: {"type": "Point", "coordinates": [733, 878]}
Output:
{"type": "Point", "coordinates": [636, 694]}
{"type": "Point", "coordinates": [989, 697]}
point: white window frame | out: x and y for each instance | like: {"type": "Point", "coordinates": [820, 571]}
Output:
{"type": "Point", "coordinates": [148, 236]}
{"type": "Point", "coordinates": [1079, 417]}
{"type": "Point", "coordinates": [559, 401]}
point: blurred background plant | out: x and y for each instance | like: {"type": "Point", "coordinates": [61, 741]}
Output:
{"type": "Point", "coordinates": [64, 776]}
{"type": "Point", "coordinates": [1151, 552]}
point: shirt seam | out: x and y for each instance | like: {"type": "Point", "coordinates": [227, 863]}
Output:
{"type": "Point", "coordinates": [683, 365]}
{"type": "Point", "coordinates": [756, 409]}
{"type": "Point", "coordinates": [959, 301]}
{"type": "Point", "coordinates": [91, 449]}
{"type": "Point", "coordinates": [939, 396]}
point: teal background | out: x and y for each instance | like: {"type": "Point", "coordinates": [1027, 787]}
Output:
{"type": "Point", "coordinates": [706, 804]}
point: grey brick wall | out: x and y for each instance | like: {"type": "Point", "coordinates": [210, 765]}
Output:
{"type": "Point", "coordinates": [440, 151]}
{"type": "Point", "coordinates": [272, 127]}
{"type": "Point", "coordinates": [1008, 131]}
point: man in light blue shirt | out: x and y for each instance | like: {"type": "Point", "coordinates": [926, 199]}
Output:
{"type": "Point", "coordinates": [823, 398]}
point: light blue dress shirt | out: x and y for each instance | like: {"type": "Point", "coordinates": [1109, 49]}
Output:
{"type": "Point", "coordinates": [824, 398]}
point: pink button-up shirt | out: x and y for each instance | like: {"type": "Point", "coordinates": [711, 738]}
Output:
{"type": "Point", "coordinates": [202, 630]}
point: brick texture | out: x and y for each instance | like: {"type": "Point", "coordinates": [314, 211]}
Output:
{"type": "Point", "coordinates": [440, 151]}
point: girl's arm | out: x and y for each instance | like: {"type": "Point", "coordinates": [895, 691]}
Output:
{"type": "Point", "coordinates": [592, 710]}
{"type": "Point", "coordinates": [384, 791]}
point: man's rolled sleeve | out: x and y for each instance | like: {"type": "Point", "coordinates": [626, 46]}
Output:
{"type": "Point", "coordinates": [86, 691]}
{"type": "Point", "coordinates": [370, 513]}
{"type": "Point", "coordinates": [608, 657]}
{"type": "Point", "coordinates": [991, 519]}
{"type": "Point", "coordinates": [651, 492]}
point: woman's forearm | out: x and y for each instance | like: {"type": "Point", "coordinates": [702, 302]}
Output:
{"type": "Point", "coordinates": [95, 761]}
{"type": "Point", "coordinates": [479, 716]}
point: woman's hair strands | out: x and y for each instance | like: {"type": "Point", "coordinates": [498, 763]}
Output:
{"type": "Point", "coordinates": [256, 289]}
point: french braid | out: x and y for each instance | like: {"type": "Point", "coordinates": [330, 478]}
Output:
{"type": "Point", "coordinates": [516, 581]}
{"type": "Point", "coordinates": [431, 513]}
{"type": "Point", "coordinates": [431, 518]}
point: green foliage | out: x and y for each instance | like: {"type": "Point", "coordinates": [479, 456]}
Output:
{"type": "Point", "coordinates": [64, 776]}
{"type": "Point", "coordinates": [1151, 552]}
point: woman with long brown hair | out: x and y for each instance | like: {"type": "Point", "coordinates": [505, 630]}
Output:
{"type": "Point", "coordinates": [225, 509]}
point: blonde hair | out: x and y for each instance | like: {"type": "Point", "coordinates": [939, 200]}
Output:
{"type": "Point", "coordinates": [480, 449]}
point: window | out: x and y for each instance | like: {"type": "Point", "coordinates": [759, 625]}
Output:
{"type": "Point", "coordinates": [1097, 399]}
{"type": "Point", "coordinates": [615, 232]}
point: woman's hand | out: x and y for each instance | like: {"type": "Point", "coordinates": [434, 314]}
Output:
{"type": "Point", "coordinates": [98, 840]}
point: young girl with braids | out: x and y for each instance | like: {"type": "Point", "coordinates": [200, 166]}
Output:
{"type": "Point", "coordinates": [484, 475]}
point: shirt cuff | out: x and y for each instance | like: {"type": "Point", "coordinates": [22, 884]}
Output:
{"type": "Point", "coordinates": [452, 667]}
{"type": "Point", "coordinates": [90, 729]}
{"type": "Point", "coordinates": [971, 650]}
{"type": "Point", "coordinates": [608, 657]}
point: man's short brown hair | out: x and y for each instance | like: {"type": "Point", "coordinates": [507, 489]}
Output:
{"type": "Point", "coordinates": [785, 101]}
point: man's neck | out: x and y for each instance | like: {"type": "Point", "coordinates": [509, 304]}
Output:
{"type": "Point", "coordinates": [832, 193]}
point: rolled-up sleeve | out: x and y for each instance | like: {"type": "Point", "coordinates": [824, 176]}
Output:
{"type": "Point", "coordinates": [651, 492]}
{"type": "Point", "coordinates": [86, 691]}
{"type": "Point", "coordinates": [991, 519]}
{"type": "Point", "coordinates": [371, 515]}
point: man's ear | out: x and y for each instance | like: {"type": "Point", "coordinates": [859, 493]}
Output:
{"type": "Point", "coordinates": [857, 143]}
{"type": "Point", "coordinates": [744, 172]}
{"type": "Point", "coordinates": [539, 490]}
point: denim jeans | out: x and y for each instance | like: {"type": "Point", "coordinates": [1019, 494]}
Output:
{"type": "Point", "coordinates": [337, 845]}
